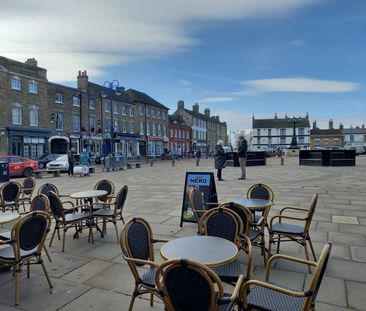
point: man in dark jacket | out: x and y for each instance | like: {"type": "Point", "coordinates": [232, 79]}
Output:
{"type": "Point", "coordinates": [220, 159]}
{"type": "Point", "coordinates": [71, 160]}
{"type": "Point", "coordinates": [242, 154]}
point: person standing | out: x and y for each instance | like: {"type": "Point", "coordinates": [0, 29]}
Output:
{"type": "Point", "coordinates": [84, 161]}
{"type": "Point", "coordinates": [198, 157]}
{"type": "Point", "coordinates": [71, 160]}
{"type": "Point", "coordinates": [220, 159]}
{"type": "Point", "coordinates": [242, 154]}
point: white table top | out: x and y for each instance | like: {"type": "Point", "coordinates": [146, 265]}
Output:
{"type": "Point", "coordinates": [8, 217]}
{"type": "Point", "coordinates": [208, 250]}
{"type": "Point", "coordinates": [88, 194]}
{"type": "Point", "coordinates": [252, 203]}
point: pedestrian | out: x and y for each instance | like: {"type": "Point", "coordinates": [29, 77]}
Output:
{"type": "Point", "coordinates": [198, 157]}
{"type": "Point", "coordinates": [220, 159]}
{"type": "Point", "coordinates": [71, 160]}
{"type": "Point", "coordinates": [84, 161]}
{"type": "Point", "coordinates": [242, 154]}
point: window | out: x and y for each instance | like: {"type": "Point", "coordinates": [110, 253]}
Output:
{"type": "Point", "coordinates": [76, 101]}
{"type": "Point", "coordinates": [153, 113]}
{"type": "Point", "coordinates": [175, 133]}
{"type": "Point", "coordinates": [269, 132]}
{"type": "Point", "coordinates": [16, 112]}
{"type": "Point", "coordinates": [142, 110]}
{"type": "Point", "coordinates": [159, 114]}
{"type": "Point", "coordinates": [115, 125]}
{"type": "Point", "coordinates": [92, 123]}
{"type": "Point", "coordinates": [33, 116]}
{"type": "Point", "coordinates": [171, 132]}
{"type": "Point", "coordinates": [258, 132]}
{"type": "Point", "coordinates": [164, 130]}
{"type": "Point", "coordinates": [107, 107]}
{"type": "Point", "coordinates": [154, 129]}
{"type": "Point", "coordinates": [59, 118]}
{"type": "Point", "coordinates": [301, 131]}
{"type": "Point", "coordinates": [317, 142]}
{"type": "Point", "coordinates": [115, 108]}
{"type": "Point", "coordinates": [132, 112]}
{"type": "Point", "coordinates": [76, 122]}
{"type": "Point", "coordinates": [147, 128]}
{"type": "Point", "coordinates": [270, 140]}
{"type": "Point", "coordinates": [33, 87]}
{"type": "Point", "coordinates": [132, 127]}
{"type": "Point", "coordinates": [91, 104]}
{"type": "Point", "coordinates": [142, 131]}
{"type": "Point", "coordinates": [147, 111]}
{"type": "Point", "coordinates": [124, 110]}
{"type": "Point", "coordinates": [326, 142]}
{"type": "Point", "coordinates": [335, 141]}
{"type": "Point", "coordinates": [159, 130]}
{"type": "Point", "coordinates": [282, 132]}
{"type": "Point", "coordinates": [301, 140]}
{"type": "Point", "coordinates": [107, 125]}
{"type": "Point", "coordinates": [16, 84]}
{"type": "Point", "coordinates": [59, 98]}
{"type": "Point", "coordinates": [187, 135]}
{"type": "Point", "coordinates": [352, 138]}
{"type": "Point", "coordinates": [163, 115]}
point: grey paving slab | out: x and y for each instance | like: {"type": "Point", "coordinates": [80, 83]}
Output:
{"type": "Point", "coordinates": [347, 238]}
{"type": "Point", "coordinates": [344, 219]}
{"type": "Point", "coordinates": [358, 253]}
{"type": "Point", "coordinates": [356, 295]}
{"type": "Point", "coordinates": [347, 270]}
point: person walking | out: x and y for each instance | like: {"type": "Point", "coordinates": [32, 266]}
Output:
{"type": "Point", "coordinates": [242, 154]}
{"type": "Point", "coordinates": [84, 161]}
{"type": "Point", "coordinates": [220, 159]}
{"type": "Point", "coordinates": [71, 160]}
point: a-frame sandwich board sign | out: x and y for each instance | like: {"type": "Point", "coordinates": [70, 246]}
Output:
{"type": "Point", "coordinates": [204, 181]}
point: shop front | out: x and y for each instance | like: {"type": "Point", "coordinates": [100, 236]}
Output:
{"type": "Point", "coordinates": [155, 146]}
{"type": "Point", "coordinates": [129, 145]}
{"type": "Point", "coordinates": [27, 142]}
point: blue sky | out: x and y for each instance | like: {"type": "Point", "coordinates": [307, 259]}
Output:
{"type": "Point", "coordinates": [238, 58]}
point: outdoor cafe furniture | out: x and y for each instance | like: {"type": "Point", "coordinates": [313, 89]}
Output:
{"type": "Point", "coordinates": [65, 221]}
{"type": "Point", "coordinates": [6, 217]}
{"type": "Point", "coordinates": [186, 285]}
{"type": "Point", "coordinates": [299, 233]}
{"type": "Point", "coordinates": [28, 236]}
{"type": "Point", "coordinates": [9, 196]}
{"type": "Point", "coordinates": [254, 233]}
{"type": "Point", "coordinates": [225, 223]}
{"type": "Point", "coordinates": [26, 191]}
{"type": "Point", "coordinates": [111, 210]}
{"type": "Point", "coordinates": [208, 250]}
{"type": "Point", "coordinates": [262, 192]}
{"type": "Point", "coordinates": [48, 187]}
{"type": "Point", "coordinates": [88, 196]}
{"type": "Point", "coordinates": [266, 295]}
{"type": "Point", "coordinates": [137, 244]}
{"type": "Point", "coordinates": [106, 185]}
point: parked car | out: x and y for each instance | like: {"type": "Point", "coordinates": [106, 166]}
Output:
{"type": "Point", "coordinates": [44, 159]}
{"type": "Point", "coordinates": [170, 155]}
{"type": "Point", "coordinates": [20, 166]}
{"type": "Point", "coordinates": [61, 163]}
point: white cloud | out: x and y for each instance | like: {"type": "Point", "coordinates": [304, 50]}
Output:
{"type": "Point", "coordinates": [298, 42]}
{"type": "Point", "coordinates": [184, 82]}
{"type": "Point", "coordinates": [305, 85]}
{"type": "Point", "coordinates": [216, 99]}
{"type": "Point", "coordinates": [65, 36]}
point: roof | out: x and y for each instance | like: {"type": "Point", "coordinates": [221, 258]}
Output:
{"type": "Point", "coordinates": [280, 123]}
{"type": "Point", "coordinates": [201, 115]}
{"type": "Point", "coordinates": [140, 97]}
{"type": "Point", "coordinates": [318, 131]}
{"type": "Point", "coordinates": [98, 89]}
{"type": "Point", "coordinates": [354, 131]}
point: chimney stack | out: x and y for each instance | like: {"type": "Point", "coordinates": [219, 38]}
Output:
{"type": "Point", "coordinates": [330, 124]}
{"type": "Point", "coordinates": [196, 108]}
{"type": "Point", "coordinates": [314, 125]}
{"type": "Point", "coordinates": [207, 112]}
{"type": "Point", "coordinates": [180, 104]}
{"type": "Point", "coordinates": [82, 81]}
{"type": "Point", "coordinates": [31, 62]}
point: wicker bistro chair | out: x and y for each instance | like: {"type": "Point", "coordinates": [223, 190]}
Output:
{"type": "Point", "coordinates": [293, 232]}
{"type": "Point", "coordinates": [260, 191]}
{"type": "Point", "coordinates": [48, 187]}
{"type": "Point", "coordinates": [108, 186]}
{"type": "Point", "coordinates": [28, 236]}
{"type": "Point", "coordinates": [198, 204]}
{"type": "Point", "coordinates": [9, 196]}
{"type": "Point", "coordinates": [254, 233]}
{"type": "Point", "coordinates": [224, 223]}
{"type": "Point", "coordinates": [111, 215]}
{"type": "Point", "coordinates": [188, 285]}
{"type": "Point", "coordinates": [266, 295]}
{"type": "Point", "coordinates": [26, 192]}
{"type": "Point", "coordinates": [136, 241]}
{"type": "Point", "coordinates": [66, 221]}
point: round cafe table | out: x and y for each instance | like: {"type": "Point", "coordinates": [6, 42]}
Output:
{"type": "Point", "coordinates": [208, 250]}
{"type": "Point", "coordinates": [89, 194]}
{"type": "Point", "coordinates": [6, 217]}
{"type": "Point", "coordinates": [253, 204]}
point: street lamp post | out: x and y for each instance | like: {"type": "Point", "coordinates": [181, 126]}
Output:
{"type": "Point", "coordinates": [111, 87]}
{"type": "Point", "coordinates": [294, 140]}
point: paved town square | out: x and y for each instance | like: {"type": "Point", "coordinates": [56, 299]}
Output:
{"type": "Point", "coordinates": [95, 277]}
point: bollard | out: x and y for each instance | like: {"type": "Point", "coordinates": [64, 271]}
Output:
{"type": "Point", "coordinates": [151, 163]}
{"type": "Point", "coordinates": [173, 162]}
{"type": "Point", "coordinates": [282, 160]}
{"type": "Point", "coordinates": [198, 162]}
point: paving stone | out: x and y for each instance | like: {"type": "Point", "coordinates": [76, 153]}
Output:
{"type": "Point", "coordinates": [356, 295]}
{"type": "Point", "coordinates": [347, 238]}
{"type": "Point", "coordinates": [344, 219]}
{"type": "Point", "coordinates": [327, 226]}
{"type": "Point", "coordinates": [327, 307]}
{"type": "Point", "coordinates": [358, 253]}
{"type": "Point", "coordinates": [357, 229]}
{"type": "Point", "coordinates": [340, 251]}
{"type": "Point", "coordinates": [346, 269]}
{"type": "Point", "coordinates": [106, 251]}
{"type": "Point", "coordinates": [85, 272]}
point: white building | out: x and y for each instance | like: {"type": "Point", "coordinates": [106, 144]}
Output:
{"type": "Point", "coordinates": [354, 136]}
{"type": "Point", "coordinates": [278, 132]}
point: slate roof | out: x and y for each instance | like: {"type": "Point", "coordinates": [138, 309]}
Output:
{"type": "Point", "coordinates": [97, 89]}
{"type": "Point", "coordinates": [279, 123]}
{"type": "Point", "coordinates": [136, 96]}
{"type": "Point", "coordinates": [201, 115]}
{"type": "Point", "coordinates": [354, 131]}
{"type": "Point", "coordinates": [318, 131]}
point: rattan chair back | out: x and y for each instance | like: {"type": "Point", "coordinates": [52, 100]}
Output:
{"type": "Point", "coordinates": [245, 215]}
{"type": "Point", "coordinates": [106, 185]}
{"type": "Point", "coordinates": [260, 191]}
{"type": "Point", "coordinates": [56, 206]}
{"type": "Point", "coordinates": [46, 188]}
{"type": "Point", "coordinates": [28, 186]}
{"type": "Point", "coordinates": [188, 285]}
{"type": "Point", "coordinates": [196, 201]}
{"type": "Point", "coordinates": [40, 203]}
{"type": "Point", "coordinates": [9, 192]}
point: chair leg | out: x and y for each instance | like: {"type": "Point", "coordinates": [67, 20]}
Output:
{"type": "Point", "coordinates": [47, 253]}
{"type": "Point", "coordinates": [307, 254]}
{"type": "Point", "coordinates": [312, 248]}
{"type": "Point", "coordinates": [45, 272]}
{"type": "Point", "coordinates": [151, 299]}
{"type": "Point", "coordinates": [17, 272]}
{"type": "Point", "coordinates": [115, 227]}
{"type": "Point", "coordinates": [28, 269]}
{"type": "Point", "coordinates": [53, 235]}
{"type": "Point", "coordinates": [135, 291]}
{"type": "Point", "coordinates": [278, 242]}
{"type": "Point", "coordinates": [63, 240]}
